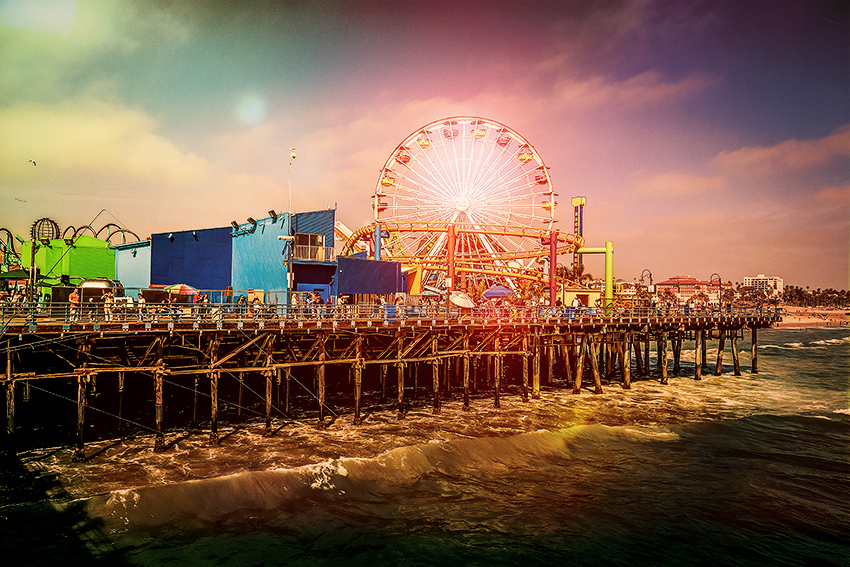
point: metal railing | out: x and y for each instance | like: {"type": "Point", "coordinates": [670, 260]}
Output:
{"type": "Point", "coordinates": [318, 253]}
{"type": "Point", "coordinates": [128, 311]}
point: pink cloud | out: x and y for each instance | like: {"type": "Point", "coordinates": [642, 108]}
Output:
{"type": "Point", "coordinates": [676, 184]}
{"type": "Point", "coordinates": [787, 156]}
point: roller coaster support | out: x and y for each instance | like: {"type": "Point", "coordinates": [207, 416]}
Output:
{"type": "Point", "coordinates": [609, 271]}
{"type": "Point", "coordinates": [553, 262]}
{"type": "Point", "coordinates": [451, 238]}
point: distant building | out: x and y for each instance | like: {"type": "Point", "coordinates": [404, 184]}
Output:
{"type": "Point", "coordinates": [685, 287]}
{"type": "Point", "coordinates": [772, 286]}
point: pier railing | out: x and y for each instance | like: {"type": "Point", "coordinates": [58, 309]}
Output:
{"type": "Point", "coordinates": [24, 313]}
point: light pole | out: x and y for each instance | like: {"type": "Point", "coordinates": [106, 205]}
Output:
{"type": "Point", "coordinates": [649, 290]}
{"type": "Point", "coordinates": [719, 289]}
{"type": "Point", "coordinates": [291, 159]}
{"type": "Point", "coordinates": [646, 272]}
{"type": "Point", "coordinates": [289, 237]}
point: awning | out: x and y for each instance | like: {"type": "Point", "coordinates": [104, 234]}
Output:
{"type": "Point", "coordinates": [15, 275]}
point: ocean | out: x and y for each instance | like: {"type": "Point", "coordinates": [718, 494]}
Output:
{"type": "Point", "coordinates": [729, 470]}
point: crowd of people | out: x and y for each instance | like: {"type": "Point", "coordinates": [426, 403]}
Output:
{"type": "Point", "coordinates": [105, 306]}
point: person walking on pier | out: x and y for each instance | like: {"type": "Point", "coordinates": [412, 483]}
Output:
{"type": "Point", "coordinates": [108, 301]}
{"type": "Point", "coordinates": [257, 307]}
{"type": "Point", "coordinates": [73, 306]}
{"type": "Point", "coordinates": [141, 307]}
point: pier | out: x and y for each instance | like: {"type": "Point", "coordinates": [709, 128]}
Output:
{"type": "Point", "coordinates": [399, 352]}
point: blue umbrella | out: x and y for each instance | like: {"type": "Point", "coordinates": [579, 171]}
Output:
{"type": "Point", "coordinates": [498, 291]}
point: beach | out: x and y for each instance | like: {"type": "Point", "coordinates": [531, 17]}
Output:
{"type": "Point", "coordinates": [807, 317]}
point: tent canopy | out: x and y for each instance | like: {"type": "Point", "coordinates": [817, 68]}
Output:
{"type": "Point", "coordinates": [498, 291]}
{"type": "Point", "coordinates": [15, 275]}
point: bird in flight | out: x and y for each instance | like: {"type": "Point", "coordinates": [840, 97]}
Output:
{"type": "Point", "coordinates": [32, 162]}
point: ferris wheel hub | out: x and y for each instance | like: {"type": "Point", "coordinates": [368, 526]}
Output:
{"type": "Point", "coordinates": [462, 203]}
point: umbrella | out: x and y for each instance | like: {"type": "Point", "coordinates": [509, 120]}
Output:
{"type": "Point", "coordinates": [429, 291]}
{"type": "Point", "coordinates": [180, 289]}
{"type": "Point", "coordinates": [461, 299]}
{"type": "Point", "coordinates": [498, 291]}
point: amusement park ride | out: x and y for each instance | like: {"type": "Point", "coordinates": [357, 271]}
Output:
{"type": "Point", "coordinates": [46, 229]}
{"type": "Point", "coordinates": [462, 203]}
{"type": "Point", "coordinates": [467, 201]}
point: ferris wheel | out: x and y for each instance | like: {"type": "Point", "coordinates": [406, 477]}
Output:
{"type": "Point", "coordinates": [468, 172]}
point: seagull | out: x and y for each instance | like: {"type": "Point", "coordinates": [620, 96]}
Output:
{"type": "Point", "coordinates": [20, 200]}
{"type": "Point", "coordinates": [32, 162]}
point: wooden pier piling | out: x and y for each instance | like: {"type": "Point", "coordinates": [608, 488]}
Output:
{"type": "Point", "coordinates": [524, 359]}
{"type": "Point", "coordinates": [358, 378]}
{"type": "Point", "coordinates": [594, 367]}
{"type": "Point", "coordinates": [120, 416]}
{"type": "Point", "coordinates": [214, 407]}
{"type": "Point", "coordinates": [435, 375]}
{"type": "Point", "coordinates": [754, 369]}
{"type": "Point", "coordinates": [735, 358]}
{"type": "Point", "coordinates": [465, 372]}
{"type": "Point", "coordinates": [497, 373]}
{"type": "Point", "coordinates": [320, 377]}
{"type": "Point", "coordinates": [535, 367]}
{"type": "Point", "coordinates": [400, 364]}
{"type": "Point", "coordinates": [10, 397]}
{"type": "Point", "coordinates": [721, 343]}
{"type": "Point", "coordinates": [505, 350]}
{"type": "Point", "coordinates": [699, 345]}
{"type": "Point", "coordinates": [79, 449]}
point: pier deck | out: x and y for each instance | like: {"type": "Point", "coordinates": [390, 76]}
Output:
{"type": "Point", "coordinates": [449, 348]}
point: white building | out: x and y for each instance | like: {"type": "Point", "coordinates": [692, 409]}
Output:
{"type": "Point", "coordinates": [773, 286]}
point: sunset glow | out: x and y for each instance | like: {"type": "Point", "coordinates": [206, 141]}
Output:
{"type": "Point", "coordinates": [708, 137]}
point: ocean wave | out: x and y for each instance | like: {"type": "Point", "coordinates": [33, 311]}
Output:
{"type": "Point", "coordinates": [200, 504]}
{"type": "Point", "coordinates": [843, 340]}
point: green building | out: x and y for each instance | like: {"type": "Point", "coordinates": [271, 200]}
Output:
{"type": "Point", "coordinates": [79, 258]}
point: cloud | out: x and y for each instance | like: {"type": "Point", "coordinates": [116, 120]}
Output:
{"type": "Point", "coordinates": [47, 46]}
{"type": "Point", "coordinates": [647, 89]}
{"type": "Point", "coordinates": [92, 136]}
{"type": "Point", "coordinates": [838, 197]}
{"type": "Point", "coordinates": [675, 184]}
{"type": "Point", "coordinates": [787, 156]}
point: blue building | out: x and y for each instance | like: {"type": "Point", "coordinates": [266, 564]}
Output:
{"type": "Point", "coordinates": [258, 258]}
{"type": "Point", "coordinates": [313, 261]}
{"type": "Point", "coordinates": [200, 258]}
{"type": "Point", "coordinates": [133, 266]}
{"type": "Point", "coordinates": [260, 255]}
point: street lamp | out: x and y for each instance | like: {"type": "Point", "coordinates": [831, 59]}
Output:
{"type": "Point", "coordinates": [646, 272]}
{"type": "Point", "coordinates": [291, 159]}
{"type": "Point", "coordinates": [649, 290]}
{"type": "Point", "coordinates": [290, 238]}
{"type": "Point", "coordinates": [711, 278]}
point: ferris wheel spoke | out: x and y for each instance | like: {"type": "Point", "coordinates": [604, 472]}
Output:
{"type": "Point", "coordinates": [495, 167]}
{"type": "Point", "coordinates": [431, 174]}
{"type": "Point", "coordinates": [431, 178]}
{"type": "Point", "coordinates": [508, 178]}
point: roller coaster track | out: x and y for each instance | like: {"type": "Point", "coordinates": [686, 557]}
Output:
{"type": "Point", "coordinates": [474, 263]}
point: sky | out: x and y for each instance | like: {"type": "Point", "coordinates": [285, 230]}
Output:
{"type": "Point", "coordinates": [707, 136]}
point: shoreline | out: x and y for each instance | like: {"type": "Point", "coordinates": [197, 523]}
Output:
{"type": "Point", "coordinates": [805, 317]}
